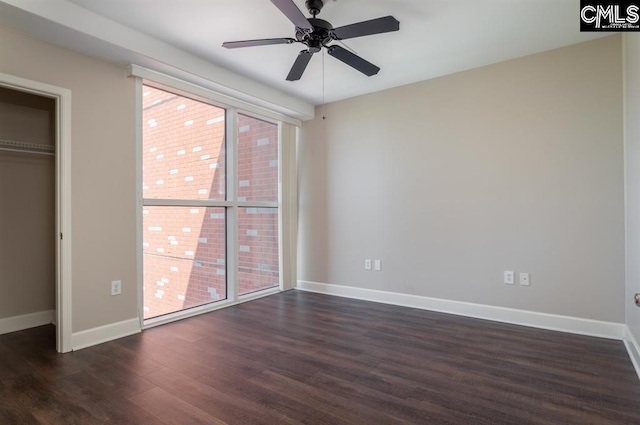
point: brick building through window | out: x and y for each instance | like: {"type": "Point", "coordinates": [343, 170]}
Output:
{"type": "Point", "coordinates": [185, 220]}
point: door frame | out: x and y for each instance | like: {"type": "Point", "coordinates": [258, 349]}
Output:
{"type": "Point", "coordinates": [62, 98]}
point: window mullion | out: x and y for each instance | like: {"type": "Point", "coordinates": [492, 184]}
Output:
{"type": "Point", "coordinates": [257, 204]}
{"type": "Point", "coordinates": [231, 146]}
{"type": "Point", "coordinates": [184, 203]}
{"type": "Point", "coordinates": [283, 167]}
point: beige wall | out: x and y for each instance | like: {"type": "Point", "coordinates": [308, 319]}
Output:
{"type": "Point", "coordinates": [27, 207]}
{"type": "Point", "coordinates": [103, 172]}
{"type": "Point", "coordinates": [451, 181]}
{"type": "Point", "coordinates": [632, 155]}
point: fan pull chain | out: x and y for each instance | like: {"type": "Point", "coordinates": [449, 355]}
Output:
{"type": "Point", "coordinates": [323, 101]}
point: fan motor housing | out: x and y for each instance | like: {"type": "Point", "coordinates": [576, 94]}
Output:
{"type": "Point", "coordinates": [320, 35]}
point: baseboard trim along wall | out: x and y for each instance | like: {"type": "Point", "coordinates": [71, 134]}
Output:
{"type": "Point", "coordinates": [95, 336]}
{"type": "Point", "coordinates": [632, 348]}
{"type": "Point", "coordinates": [26, 321]}
{"type": "Point", "coordinates": [533, 319]}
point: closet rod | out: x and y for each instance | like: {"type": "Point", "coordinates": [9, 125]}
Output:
{"type": "Point", "coordinates": [25, 147]}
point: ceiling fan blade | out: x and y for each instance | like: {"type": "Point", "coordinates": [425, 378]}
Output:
{"type": "Point", "coordinates": [262, 42]}
{"type": "Point", "coordinates": [291, 11]}
{"type": "Point", "coordinates": [299, 65]}
{"type": "Point", "coordinates": [360, 29]}
{"type": "Point", "coordinates": [354, 61]}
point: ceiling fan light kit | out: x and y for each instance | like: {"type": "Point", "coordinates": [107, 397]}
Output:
{"type": "Point", "coordinates": [317, 33]}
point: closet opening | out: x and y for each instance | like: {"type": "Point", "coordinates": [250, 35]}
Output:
{"type": "Point", "coordinates": [34, 284]}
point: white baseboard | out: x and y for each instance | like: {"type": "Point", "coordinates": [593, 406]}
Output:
{"type": "Point", "coordinates": [533, 319]}
{"type": "Point", "coordinates": [632, 348]}
{"type": "Point", "coordinates": [95, 336]}
{"type": "Point", "coordinates": [26, 321]}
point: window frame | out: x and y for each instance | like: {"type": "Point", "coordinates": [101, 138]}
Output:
{"type": "Point", "coordinates": [231, 203]}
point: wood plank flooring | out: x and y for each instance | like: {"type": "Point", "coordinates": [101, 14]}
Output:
{"type": "Point", "coordinates": [302, 358]}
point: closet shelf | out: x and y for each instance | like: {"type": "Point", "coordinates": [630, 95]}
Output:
{"type": "Point", "coordinates": [26, 147]}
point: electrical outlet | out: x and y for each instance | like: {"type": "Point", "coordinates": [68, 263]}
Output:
{"type": "Point", "coordinates": [367, 264]}
{"type": "Point", "coordinates": [116, 287]}
{"type": "Point", "coordinates": [524, 279]}
{"type": "Point", "coordinates": [377, 265]}
{"type": "Point", "coordinates": [508, 277]}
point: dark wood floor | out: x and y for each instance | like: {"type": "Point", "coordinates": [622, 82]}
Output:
{"type": "Point", "coordinates": [301, 358]}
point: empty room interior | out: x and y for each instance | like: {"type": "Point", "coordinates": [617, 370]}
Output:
{"type": "Point", "coordinates": [398, 212]}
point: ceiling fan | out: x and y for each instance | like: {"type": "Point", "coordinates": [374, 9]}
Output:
{"type": "Point", "coordinates": [317, 33]}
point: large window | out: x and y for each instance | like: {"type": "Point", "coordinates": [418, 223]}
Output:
{"type": "Point", "coordinates": [210, 203]}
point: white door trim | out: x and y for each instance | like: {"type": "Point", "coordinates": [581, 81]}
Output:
{"type": "Point", "coordinates": [62, 97]}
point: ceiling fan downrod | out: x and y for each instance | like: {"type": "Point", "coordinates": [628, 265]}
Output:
{"type": "Point", "coordinates": [314, 6]}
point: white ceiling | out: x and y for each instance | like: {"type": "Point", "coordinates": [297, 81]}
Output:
{"type": "Point", "coordinates": [436, 37]}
